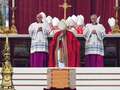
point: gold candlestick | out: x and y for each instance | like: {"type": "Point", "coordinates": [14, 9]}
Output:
{"type": "Point", "coordinates": [7, 70]}
{"type": "Point", "coordinates": [116, 29]}
{"type": "Point", "coordinates": [1, 21]}
{"type": "Point", "coordinates": [13, 27]}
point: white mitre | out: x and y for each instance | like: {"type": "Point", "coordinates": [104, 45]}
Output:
{"type": "Point", "coordinates": [111, 22]}
{"type": "Point", "coordinates": [62, 25]}
{"type": "Point", "coordinates": [49, 19]}
{"type": "Point", "coordinates": [67, 20]}
{"type": "Point", "coordinates": [43, 14]}
{"type": "Point", "coordinates": [74, 18]}
{"type": "Point", "coordinates": [55, 21]}
{"type": "Point", "coordinates": [98, 19]}
{"type": "Point", "coordinates": [80, 20]}
{"type": "Point", "coordinates": [70, 21]}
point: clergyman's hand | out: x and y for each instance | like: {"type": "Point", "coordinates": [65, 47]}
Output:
{"type": "Point", "coordinates": [94, 32]}
{"type": "Point", "coordinates": [39, 29]}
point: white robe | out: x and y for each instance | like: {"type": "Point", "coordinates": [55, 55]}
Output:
{"type": "Point", "coordinates": [39, 42]}
{"type": "Point", "coordinates": [94, 42]}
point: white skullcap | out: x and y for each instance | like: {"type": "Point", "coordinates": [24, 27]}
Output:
{"type": "Point", "coordinates": [111, 22]}
{"type": "Point", "coordinates": [49, 19]}
{"type": "Point", "coordinates": [55, 21]}
{"type": "Point", "coordinates": [80, 20]}
{"type": "Point", "coordinates": [74, 18]}
{"type": "Point", "coordinates": [62, 25]}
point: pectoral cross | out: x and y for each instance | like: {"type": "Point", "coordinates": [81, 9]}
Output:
{"type": "Point", "coordinates": [65, 6]}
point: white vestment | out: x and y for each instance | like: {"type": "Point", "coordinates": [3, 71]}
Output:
{"type": "Point", "coordinates": [94, 42]}
{"type": "Point", "coordinates": [39, 42]}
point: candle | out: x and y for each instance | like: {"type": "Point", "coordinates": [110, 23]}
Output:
{"type": "Point", "coordinates": [117, 3]}
{"type": "Point", "coordinates": [7, 16]}
{"type": "Point", "coordinates": [13, 3]}
{"type": "Point", "coordinates": [7, 23]}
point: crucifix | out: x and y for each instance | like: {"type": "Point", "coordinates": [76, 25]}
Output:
{"type": "Point", "coordinates": [65, 6]}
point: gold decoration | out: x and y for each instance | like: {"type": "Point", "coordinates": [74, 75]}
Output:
{"type": "Point", "coordinates": [7, 70]}
{"type": "Point", "coordinates": [116, 29]}
{"type": "Point", "coordinates": [65, 6]}
{"type": "Point", "coordinates": [12, 29]}
{"type": "Point", "coordinates": [1, 21]}
{"type": "Point", "coordinates": [1, 30]}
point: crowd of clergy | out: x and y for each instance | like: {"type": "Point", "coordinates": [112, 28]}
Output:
{"type": "Point", "coordinates": [43, 54]}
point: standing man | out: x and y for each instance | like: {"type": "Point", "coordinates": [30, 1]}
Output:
{"type": "Point", "coordinates": [64, 48]}
{"type": "Point", "coordinates": [94, 50]}
{"type": "Point", "coordinates": [38, 32]}
{"type": "Point", "coordinates": [80, 24]}
{"type": "Point", "coordinates": [55, 28]}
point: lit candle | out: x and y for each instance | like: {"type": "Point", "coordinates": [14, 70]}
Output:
{"type": "Point", "coordinates": [116, 4]}
{"type": "Point", "coordinates": [13, 3]}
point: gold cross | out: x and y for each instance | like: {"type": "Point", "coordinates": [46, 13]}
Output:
{"type": "Point", "coordinates": [65, 6]}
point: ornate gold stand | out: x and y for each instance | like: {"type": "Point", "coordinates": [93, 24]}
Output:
{"type": "Point", "coordinates": [7, 30]}
{"type": "Point", "coordinates": [7, 69]}
{"type": "Point", "coordinates": [116, 29]}
{"type": "Point", "coordinates": [1, 30]}
{"type": "Point", "coordinates": [12, 29]}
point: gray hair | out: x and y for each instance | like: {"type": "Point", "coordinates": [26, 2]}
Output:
{"type": "Point", "coordinates": [93, 15]}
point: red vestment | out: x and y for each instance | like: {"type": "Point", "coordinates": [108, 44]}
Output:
{"type": "Point", "coordinates": [73, 49]}
{"type": "Point", "coordinates": [79, 30]}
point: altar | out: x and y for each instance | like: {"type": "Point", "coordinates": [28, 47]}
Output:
{"type": "Point", "coordinates": [20, 49]}
{"type": "Point", "coordinates": [61, 79]}
{"type": "Point", "coordinates": [85, 78]}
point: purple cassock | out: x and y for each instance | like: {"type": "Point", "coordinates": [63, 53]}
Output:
{"type": "Point", "coordinates": [94, 48]}
{"type": "Point", "coordinates": [39, 44]}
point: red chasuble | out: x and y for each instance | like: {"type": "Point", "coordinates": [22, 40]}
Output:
{"type": "Point", "coordinates": [73, 50]}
